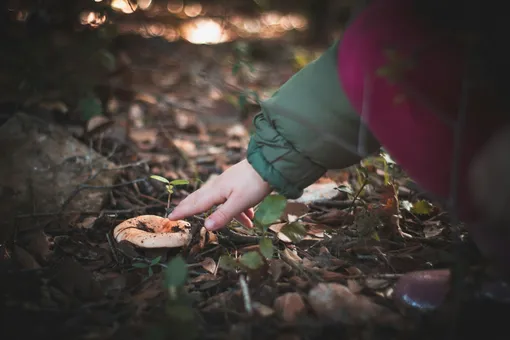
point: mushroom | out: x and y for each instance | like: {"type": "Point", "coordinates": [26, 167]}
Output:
{"type": "Point", "coordinates": [159, 232]}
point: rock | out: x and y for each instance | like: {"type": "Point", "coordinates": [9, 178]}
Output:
{"type": "Point", "coordinates": [41, 165]}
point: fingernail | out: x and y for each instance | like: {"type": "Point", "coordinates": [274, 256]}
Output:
{"type": "Point", "coordinates": [209, 224]}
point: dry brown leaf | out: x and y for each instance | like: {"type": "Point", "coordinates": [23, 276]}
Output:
{"type": "Point", "coordinates": [330, 276]}
{"type": "Point", "coordinates": [209, 264]}
{"type": "Point", "coordinates": [207, 237]}
{"type": "Point", "coordinates": [276, 228]}
{"type": "Point", "coordinates": [290, 306]}
{"type": "Point", "coordinates": [354, 286]}
{"type": "Point", "coordinates": [186, 147]}
{"type": "Point", "coordinates": [299, 282]}
{"type": "Point", "coordinates": [376, 284]}
{"type": "Point", "coordinates": [155, 157]}
{"type": "Point", "coordinates": [97, 121]}
{"type": "Point", "coordinates": [307, 263]}
{"type": "Point", "coordinates": [316, 230]}
{"type": "Point", "coordinates": [145, 139]}
{"type": "Point", "coordinates": [354, 271]}
{"type": "Point", "coordinates": [262, 310]}
{"type": "Point", "coordinates": [318, 192]}
{"type": "Point", "coordinates": [278, 268]}
{"type": "Point", "coordinates": [87, 223]}
{"type": "Point", "coordinates": [291, 257]}
{"type": "Point", "coordinates": [294, 209]}
{"type": "Point", "coordinates": [432, 229]}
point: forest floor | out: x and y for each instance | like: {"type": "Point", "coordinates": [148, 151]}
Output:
{"type": "Point", "coordinates": [70, 278]}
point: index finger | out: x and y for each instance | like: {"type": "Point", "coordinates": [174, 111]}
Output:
{"type": "Point", "coordinates": [199, 201]}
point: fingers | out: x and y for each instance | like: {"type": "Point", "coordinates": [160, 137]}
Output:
{"type": "Point", "coordinates": [250, 213]}
{"type": "Point", "coordinates": [233, 207]}
{"type": "Point", "coordinates": [244, 220]}
{"type": "Point", "coordinates": [198, 202]}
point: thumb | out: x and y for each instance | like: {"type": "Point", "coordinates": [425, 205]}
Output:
{"type": "Point", "coordinates": [224, 214]}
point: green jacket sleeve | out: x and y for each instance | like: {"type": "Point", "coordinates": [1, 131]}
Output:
{"type": "Point", "coordinates": [306, 128]}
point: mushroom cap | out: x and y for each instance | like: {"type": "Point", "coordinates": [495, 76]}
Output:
{"type": "Point", "coordinates": [151, 231]}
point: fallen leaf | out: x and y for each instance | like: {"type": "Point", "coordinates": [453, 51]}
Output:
{"type": "Point", "coordinates": [209, 265]}
{"type": "Point", "coordinates": [291, 257]}
{"type": "Point", "coordinates": [290, 306]}
{"type": "Point", "coordinates": [278, 268]}
{"type": "Point", "coordinates": [316, 230]}
{"type": "Point", "coordinates": [187, 147]}
{"type": "Point", "coordinates": [422, 207]}
{"type": "Point", "coordinates": [145, 139]}
{"type": "Point", "coordinates": [376, 284]}
{"type": "Point", "coordinates": [262, 310]}
{"type": "Point", "coordinates": [294, 231]}
{"type": "Point", "coordinates": [137, 115]}
{"type": "Point", "coordinates": [431, 230]}
{"type": "Point", "coordinates": [87, 222]}
{"type": "Point", "coordinates": [294, 209]}
{"type": "Point", "coordinates": [354, 286]}
{"type": "Point", "coordinates": [318, 192]}
{"type": "Point", "coordinates": [97, 121]}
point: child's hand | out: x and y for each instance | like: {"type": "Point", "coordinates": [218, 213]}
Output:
{"type": "Point", "coordinates": [238, 189]}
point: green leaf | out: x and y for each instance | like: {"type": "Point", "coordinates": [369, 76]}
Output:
{"type": "Point", "coordinates": [151, 272]}
{"type": "Point", "coordinates": [160, 178]}
{"type": "Point", "coordinates": [176, 273]}
{"type": "Point", "coordinates": [155, 260]}
{"type": "Point", "coordinates": [346, 189]}
{"type": "Point", "coordinates": [295, 231]}
{"type": "Point", "coordinates": [266, 247]}
{"type": "Point", "coordinates": [375, 236]}
{"type": "Point", "coordinates": [179, 182]}
{"type": "Point", "coordinates": [270, 209]}
{"type": "Point", "coordinates": [422, 207]}
{"type": "Point", "coordinates": [90, 106]}
{"type": "Point", "coordinates": [227, 263]}
{"type": "Point", "coordinates": [251, 260]}
{"type": "Point", "coordinates": [140, 265]}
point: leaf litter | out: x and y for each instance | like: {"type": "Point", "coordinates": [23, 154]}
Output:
{"type": "Point", "coordinates": [319, 267]}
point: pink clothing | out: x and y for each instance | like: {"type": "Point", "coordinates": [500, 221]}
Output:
{"type": "Point", "coordinates": [402, 78]}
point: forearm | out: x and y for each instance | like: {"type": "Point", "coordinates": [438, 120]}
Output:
{"type": "Point", "coordinates": [306, 128]}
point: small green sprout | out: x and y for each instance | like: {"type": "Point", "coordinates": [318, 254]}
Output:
{"type": "Point", "coordinates": [154, 262]}
{"type": "Point", "coordinates": [170, 187]}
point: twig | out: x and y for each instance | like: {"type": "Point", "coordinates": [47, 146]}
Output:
{"type": "Point", "coordinates": [358, 193]}
{"type": "Point", "coordinates": [112, 248]}
{"type": "Point", "coordinates": [246, 295]}
{"type": "Point", "coordinates": [99, 213]}
{"type": "Point", "coordinates": [96, 187]}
